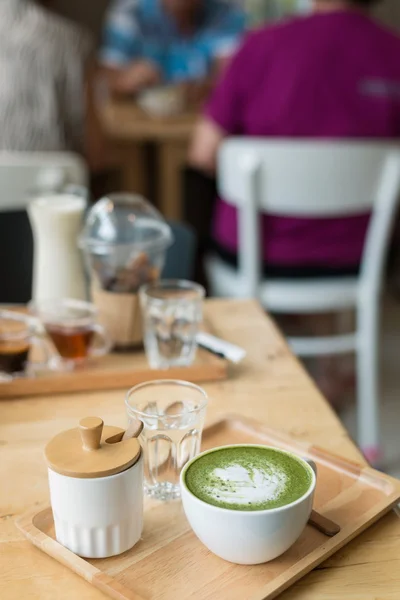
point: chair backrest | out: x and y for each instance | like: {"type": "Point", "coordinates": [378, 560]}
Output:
{"type": "Point", "coordinates": [22, 172]}
{"type": "Point", "coordinates": [310, 178]}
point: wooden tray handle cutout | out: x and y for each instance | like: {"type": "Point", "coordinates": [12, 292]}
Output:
{"type": "Point", "coordinates": [91, 430]}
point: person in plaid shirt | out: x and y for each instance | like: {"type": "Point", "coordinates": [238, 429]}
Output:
{"type": "Point", "coordinates": [148, 42]}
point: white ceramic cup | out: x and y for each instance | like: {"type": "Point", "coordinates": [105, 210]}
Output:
{"type": "Point", "coordinates": [248, 537]}
{"type": "Point", "coordinates": [100, 517]}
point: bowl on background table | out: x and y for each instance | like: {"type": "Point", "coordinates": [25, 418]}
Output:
{"type": "Point", "coordinates": [162, 101]}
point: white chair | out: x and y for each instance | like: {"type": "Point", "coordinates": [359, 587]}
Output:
{"type": "Point", "coordinates": [22, 172]}
{"type": "Point", "coordinates": [314, 179]}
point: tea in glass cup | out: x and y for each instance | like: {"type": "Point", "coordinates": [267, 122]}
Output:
{"type": "Point", "coordinates": [17, 336]}
{"type": "Point", "coordinates": [73, 329]}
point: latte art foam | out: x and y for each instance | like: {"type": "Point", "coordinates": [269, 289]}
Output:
{"type": "Point", "coordinates": [241, 485]}
{"type": "Point", "coordinates": [248, 478]}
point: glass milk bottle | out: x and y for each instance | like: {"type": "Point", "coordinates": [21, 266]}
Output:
{"type": "Point", "coordinates": [58, 270]}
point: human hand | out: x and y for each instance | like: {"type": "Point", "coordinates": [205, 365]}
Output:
{"type": "Point", "coordinates": [141, 74]}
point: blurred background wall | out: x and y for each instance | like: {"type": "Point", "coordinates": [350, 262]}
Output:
{"type": "Point", "coordinates": [389, 11]}
{"type": "Point", "coordinates": [90, 12]}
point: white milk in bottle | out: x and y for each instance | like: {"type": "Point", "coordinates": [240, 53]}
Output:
{"type": "Point", "coordinates": [58, 270]}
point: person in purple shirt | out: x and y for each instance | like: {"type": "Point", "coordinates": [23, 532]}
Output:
{"type": "Point", "coordinates": [334, 73]}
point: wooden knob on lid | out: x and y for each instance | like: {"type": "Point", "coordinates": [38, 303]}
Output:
{"type": "Point", "coordinates": [91, 430]}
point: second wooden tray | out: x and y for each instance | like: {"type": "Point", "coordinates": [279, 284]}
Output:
{"type": "Point", "coordinates": [171, 564]}
{"type": "Point", "coordinates": [113, 372]}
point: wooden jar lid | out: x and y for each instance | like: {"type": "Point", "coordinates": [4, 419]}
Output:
{"type": "Point", "coordinates": [91, 450]}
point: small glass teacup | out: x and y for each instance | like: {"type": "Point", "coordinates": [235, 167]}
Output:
{"type": "Point", "coordinates": [73, 328]}
{"type": "Point", "coordinates": [18, 335]}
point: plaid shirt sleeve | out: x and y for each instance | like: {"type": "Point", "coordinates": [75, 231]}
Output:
{"type": "Point", "coordinates": [122, 34]}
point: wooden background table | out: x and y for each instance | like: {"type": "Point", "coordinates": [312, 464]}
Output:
{"type": "Point", "coordinates": [270, 386]}
{"type": "Point", "coordinates": [129, 128]}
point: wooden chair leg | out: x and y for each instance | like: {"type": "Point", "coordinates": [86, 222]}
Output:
{"type": "Point", "coordinates": [171, 160]}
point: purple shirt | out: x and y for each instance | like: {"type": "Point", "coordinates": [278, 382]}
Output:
{"type": "Point", "coordinates": [329, 75]}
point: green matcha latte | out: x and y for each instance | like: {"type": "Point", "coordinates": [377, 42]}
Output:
{"type": "Point", "coordinates": [248, 478]}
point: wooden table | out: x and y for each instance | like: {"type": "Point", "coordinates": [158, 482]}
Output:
{"type": "Point", "coordinates": [269, 385]}
{"type": "Point", "coordinates": [130, 128]}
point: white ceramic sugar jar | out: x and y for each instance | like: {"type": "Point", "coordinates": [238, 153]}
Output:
{"type": "Point", "coordinates": [96, 489]}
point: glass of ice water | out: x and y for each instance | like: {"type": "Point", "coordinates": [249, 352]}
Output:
{"type": "Point", "coordinates": [173, 414]}
{"type": "Point", "coordinates": [172, 312]}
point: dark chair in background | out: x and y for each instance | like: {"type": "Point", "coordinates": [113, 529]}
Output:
{"type": "Point", "coordinates": [181, 257]}
{"type": "Point", "coordinates": [16, 252]}
{"type": "Point", "coordinates": [199, 192]}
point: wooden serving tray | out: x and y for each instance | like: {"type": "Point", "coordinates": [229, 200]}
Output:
{"type": "Point", "coordinates": [170, 563]}
{"type": "Point", "coordinates": [114, 372]}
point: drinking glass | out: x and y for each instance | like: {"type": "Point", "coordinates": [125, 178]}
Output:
{"type": "Point", "coordinates": [173, 414]}
{"type": "Point", "coordinates": [172, 312]}
{"type": "Point", "coordinates": [72, 327]}
{"type": "Point", "coordinates": [17, 336]}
